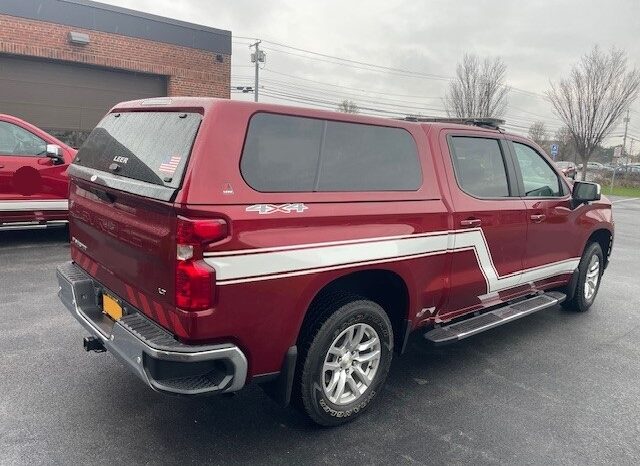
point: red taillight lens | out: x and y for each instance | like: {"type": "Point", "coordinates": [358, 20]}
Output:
{"type": "Point", "coordinates": [195, 280]}
{"type": "Point", "coordinates": [192, 231]}
{"type": "Point", "coordinates": [195, 285]}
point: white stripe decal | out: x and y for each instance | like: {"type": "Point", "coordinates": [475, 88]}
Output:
{"type": "Point", "coordinates": [324, 244]}
{"type": "Point", "coordinates": [272, 263]}
{"type": "Point", "coordinates": [18, 206]}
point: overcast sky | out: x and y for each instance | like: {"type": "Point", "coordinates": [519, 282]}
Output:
{"type": "Point", "coordinates": [538, 40]}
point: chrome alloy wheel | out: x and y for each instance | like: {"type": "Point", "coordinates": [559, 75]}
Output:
{"type": "Point", "coordinates": [592, 278]}
{"type": "Point", "coordinates": [351, 364]}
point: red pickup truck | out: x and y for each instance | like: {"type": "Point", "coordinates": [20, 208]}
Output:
{"type": "Point", "coordinates": [216, 243]}
{"type": "Point", "coordinates": [33, 182]}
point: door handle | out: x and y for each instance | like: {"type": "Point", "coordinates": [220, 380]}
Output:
{"type": "Point", "coordinates": [537, 218]}
{"type": "Point", "coordinates": [471, 222]}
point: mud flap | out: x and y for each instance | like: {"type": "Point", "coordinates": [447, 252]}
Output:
{"type": "Point", "coordinates": [573, 284]}
{"type": "Point", "coordinates": [279, 389]}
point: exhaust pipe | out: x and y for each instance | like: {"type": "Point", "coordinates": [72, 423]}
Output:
{"type": "Point", "coordinates": [93, 344]}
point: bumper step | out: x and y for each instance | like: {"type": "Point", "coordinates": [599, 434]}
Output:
{"type": "Point", "coordinates": [502, 315]}
{"type": "Point", "coordinates": [152, 353]}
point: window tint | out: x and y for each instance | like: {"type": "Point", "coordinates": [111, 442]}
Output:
{"type": "Point", "coordinates": [368, 158]}
{"type": "Point", "coordinates": [148, 146]}
{"type": "Point", "coordinates": [73, 138]}
{"type": "Point", "coordinates": [479, 167]}
{"type": "Point", "coordinates": [15, 140]}
{"type": "Point", "coordinates": [281, 153]}
{"type": "Point", "coordinates": [539, 178]}
{"type": "Point", "coordinates": [285, 154]}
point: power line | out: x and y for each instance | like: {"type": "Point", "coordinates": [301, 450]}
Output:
{"type": "Point", "coordinates": [311, 99]}
{"type": "Point", "coordinates": [371, 105]}
{"type": "Point", "coordinates": [350, 92]}
{"type": "Point", "coordinates": [356, 62]}
{"type": "Point", "coordinates": [340, 93]}
{"type": "Point", "coordinates": [367, 93]}
{"type": "Point", "coordinates": [356, 97]}
{"type": "Point", "coordinates": [397, 110]}
{"type": "Point", "coordinates": [368, 67]}
{"type": "Point", "coordinates": [303, 91]}
{"type": "Point", "coordinates": [396, 104]}
{"type": "Point", "coordinates": [370, 111]}
{"type": "Point", "coordinates": [329, 106]}
{"type": "Point", "coordinates": [270, 70]}
{"type": "Point", "coordinates": [374, 67]}
{"type": "Point", "coordinates": [360, 90]}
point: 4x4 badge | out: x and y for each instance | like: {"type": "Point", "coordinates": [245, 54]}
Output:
{"type": "Point", "coordinates": [272, 208]}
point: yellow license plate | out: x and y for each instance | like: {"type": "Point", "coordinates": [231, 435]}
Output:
{"type": "Point", "coordinates": [111, 307]}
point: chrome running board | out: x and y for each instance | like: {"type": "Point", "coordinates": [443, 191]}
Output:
{"type": "Point", "coordinates": [32, 225]}
{"type": "Point", "coordinates": [494, 318]}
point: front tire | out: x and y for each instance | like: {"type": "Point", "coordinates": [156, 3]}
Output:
{"type": "Point", "coordinates": [345, 361]}
{"type": "Point", "coordinates": [591, 268]}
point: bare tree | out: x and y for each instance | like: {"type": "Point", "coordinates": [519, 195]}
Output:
{"type": "Point", "coordinates": [538, 133]}
{"type": "Point", "coordinates": [479, 89]}
{"type": "Point", "coordinates": [591, 100]}
{"type": "Point", "coordinates": [566, 147]}
{"type": "Point", "coordinates": [348, 106]}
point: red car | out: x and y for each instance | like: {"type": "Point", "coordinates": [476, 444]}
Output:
{"type": "Point", "coordinates": [216, 243]}
{"type": "Point", "coordinates": [33, 182]}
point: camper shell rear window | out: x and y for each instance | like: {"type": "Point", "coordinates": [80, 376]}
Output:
{"type": "Point", "coordinates": [152, 147]}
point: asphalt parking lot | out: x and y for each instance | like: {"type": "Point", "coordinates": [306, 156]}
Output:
{"type": "Point", "coordinates": [554, 388]}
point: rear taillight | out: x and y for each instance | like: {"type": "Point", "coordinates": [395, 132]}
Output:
{"type": "Point", "coordinates": [190, 231]}
{"type": "Point", "coordinates": [195, 285]}
{"type": "Point", "coordinates": [195, 280]}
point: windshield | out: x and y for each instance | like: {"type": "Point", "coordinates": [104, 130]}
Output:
{"type": "Point", "coordinates": [147, 146]}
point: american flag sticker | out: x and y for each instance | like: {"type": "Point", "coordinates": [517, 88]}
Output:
{"type": "Point", "coordinates": [170, 164]}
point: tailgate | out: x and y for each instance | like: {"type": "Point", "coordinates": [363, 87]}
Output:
{"type": "Point", "coordinates": [128, 239]}
{"type": "Point", "coordinates": [122, 218]}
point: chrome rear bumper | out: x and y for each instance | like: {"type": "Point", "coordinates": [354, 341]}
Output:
{"type": "Point", "coordinates": [162, 362]}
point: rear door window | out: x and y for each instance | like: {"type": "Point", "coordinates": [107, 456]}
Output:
{"type": "Point", "coordinates": [296, 154]}
{"type": "Point", "coordinates": [152, 147]}
{"type": "Point", "coordinates": [479, 166]}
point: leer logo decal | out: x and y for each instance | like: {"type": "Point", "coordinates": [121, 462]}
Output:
{"type": "Point", "coordinates": [263, 209]}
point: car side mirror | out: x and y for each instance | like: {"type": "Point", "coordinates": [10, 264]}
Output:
{"type": "Point", "coordinates": [54, 152]}
{"type": "Point", "coordinates": [584, 191]}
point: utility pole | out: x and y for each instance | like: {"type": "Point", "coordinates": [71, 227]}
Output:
{"type": "Point", "coordinates": [624, 149]}
{"type": "Point", "coordinates": [257, 57]}
{"type": "Point", "coordinates": [624, 140]}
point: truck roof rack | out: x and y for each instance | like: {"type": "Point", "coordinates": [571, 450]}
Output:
{"type": "Point", "coordinates": [491, 123]}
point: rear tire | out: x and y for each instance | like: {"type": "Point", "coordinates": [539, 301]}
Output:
{"type": "Point", "coordinates": [344, 362]}
{"type": "Point", "coordinates": [589, 277]}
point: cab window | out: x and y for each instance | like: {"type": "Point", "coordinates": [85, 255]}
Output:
{"type": "Point", "coordinates": [479, 166]}
{"type": "Point", "coordinates": [539, 179]}
{"type": "Point", "coordinates": [18, 141]}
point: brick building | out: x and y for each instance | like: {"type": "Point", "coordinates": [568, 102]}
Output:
{"type": "Point", "coordinates": [64, 63]}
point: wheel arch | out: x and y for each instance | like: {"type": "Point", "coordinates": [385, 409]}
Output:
{"type": "Point", "coordinates": [604, 237]}
{"type": "Point", "coordinates": [382, 286]}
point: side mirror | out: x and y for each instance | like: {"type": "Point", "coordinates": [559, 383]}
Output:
{"type": "Point", "coordinates": [54, 152]}
{"type": "Point", "coordinates": [584, 192]}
